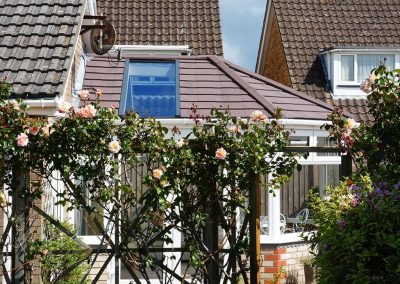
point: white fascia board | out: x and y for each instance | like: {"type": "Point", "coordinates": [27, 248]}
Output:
{"type": "Point", "coordinates": [362, 50]}
{"type": "Point", "coordinates": [303, 123]}
{"type": "Point", "coordinates": [263, 37]}
{"type": "Point", "coordinates": [127, 50]}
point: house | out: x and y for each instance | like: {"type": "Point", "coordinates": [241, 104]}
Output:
{"type": "Point", "coordinates": [208, 80]}
{"type": "Point", "coordinates": [327, 48]}
{"type": "Point", "coordinates": [177, 43]}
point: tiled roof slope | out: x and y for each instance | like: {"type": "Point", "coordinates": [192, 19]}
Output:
{"type": "Point", "coordinates": [306, 26]}
{"type": "Point", "coordinates": [37, 40]}
{"type": "Point", "coordinates": [208, 81]}
{"type": "Point", "coordinates": [166, 22]}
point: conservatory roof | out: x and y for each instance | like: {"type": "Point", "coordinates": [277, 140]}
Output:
{"type": "Point", "coordinates": [211, 81]}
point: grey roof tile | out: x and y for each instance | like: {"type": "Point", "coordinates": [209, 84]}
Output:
{"type": "Point", "coordinates": [37, 40]}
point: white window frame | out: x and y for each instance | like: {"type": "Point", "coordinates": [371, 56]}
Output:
{"type": "Point", "coordinates": [351, 89]}
{"type": "Point", "coordinates": [275, 236]}
{"type": "Point", "coordinates": [355, 66]}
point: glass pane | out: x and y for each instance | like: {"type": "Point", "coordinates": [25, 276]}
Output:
{"type": "Point", "coordinates": [152, 89]}
{"type": "Point", "coordinates": [347, 68]}
{"type": "Point", "coordinates": [294, 194]}
{"type": "Point", "coordinates": [299, 141]}
{"type": "Point", "coordinates": [86, 224]}
{"type": "Point", "coordinates": [367, 62]}
{"type": "Point", "coordinates": [325, 142]}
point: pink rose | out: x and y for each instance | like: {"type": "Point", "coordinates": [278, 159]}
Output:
{"type": "Point", "coordinates": [87, 111]}
{"type": "Point", "coordinates": [83, 95]}
{"type": "Point", "coordinates": [220, 154]}
{"type": "Point", "coordinates": [114, 146]}
{"type": "Point", "coordinates": [99, 92]}
{"type": "Point", "coordinates": [157, 173]}
{"type": "Point", "coordinates": [350, 123]}
{"type": "Point", "coordinates": [47, 130]}
{"type": "Point", "coordinates": [15, 105]}
{"type": "Point", "coordinates": [234, 129]}
{"type": "Point", "coordinates": [22, 140]}
{"type": "Point", "coordinates": [366, 86]}
{"type": "Point", "coordinates": [258, 116]}
{"type": "Point", "coordinates": [63, 106]}
{"type": "Point", "coordinates": [34, 130]}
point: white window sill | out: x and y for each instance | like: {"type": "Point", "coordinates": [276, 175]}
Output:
{"type": "Point", "coordinates": [283, 238]}
{"type": "Point", "coordinates": [91, 240]}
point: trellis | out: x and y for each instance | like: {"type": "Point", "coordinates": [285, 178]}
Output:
{"type": "Point", "coordinates": [115, 251]}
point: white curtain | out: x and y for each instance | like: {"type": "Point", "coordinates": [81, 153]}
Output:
{"type": "Point", "coordinates": [367, 62]}
{"type": "Point", "coordinates": [347, 68]}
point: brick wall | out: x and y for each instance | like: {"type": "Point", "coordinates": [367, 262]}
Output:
{"type": "Point", "coordinates": [276, 66]}
{"type": "Point", "coordinates": [96, 269]}
{"type": "Point", "coordinates": [274, 257]}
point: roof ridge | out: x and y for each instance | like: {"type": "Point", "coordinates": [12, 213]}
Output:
{"type": "Point", "coordinates": [281, 86]}
{"type": "Point", "coordinates": [285, 88]}
{"type": "Point", "coordinates": [221, 64]}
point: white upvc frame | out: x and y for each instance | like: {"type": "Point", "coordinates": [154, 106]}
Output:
{"type": "Point", "coordinates": [275, 236]}
{"type": "Point", "coordinates": [355, 82]}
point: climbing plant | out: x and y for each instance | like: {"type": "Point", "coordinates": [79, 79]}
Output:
{"type": "Point", "coordinates": [136, 183]}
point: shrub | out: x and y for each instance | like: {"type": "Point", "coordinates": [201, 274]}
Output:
{"type": "Point", "coordinates": [358, 237]}
{"type": "Point", "coordinates": [57, 253]}
{"type": "Point", "coordinates": [358, 234]}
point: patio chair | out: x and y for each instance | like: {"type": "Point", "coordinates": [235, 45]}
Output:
{"type": "Point", "coordinates": [302, 218]}
{"type": "Point", "coordinates": [264, 224]}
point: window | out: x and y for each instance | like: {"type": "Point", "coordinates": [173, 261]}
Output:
{"type": "Point", "coordinates": [85, 221]}
{"type": "Point", "coordinates": [151, 88]}
{"type": "Point", "coordinates": [354, 68]}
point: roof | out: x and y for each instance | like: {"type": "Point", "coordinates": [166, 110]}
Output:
{"type": "Point", "coordinates": [306, 26]}
{"type": "Point", "coordinates": [165, 22]}
{"type": "Point", "coordinates": [208, 81]}
{"type": "Point", "coordinates": [37, 41]}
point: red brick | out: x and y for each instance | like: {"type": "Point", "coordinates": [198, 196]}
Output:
{"type": "Point", "coordinates": [272, 257]}
{"type": "Point", "coordinates": [279, 263]}
{"type": "Point", "coordinates": [271, 269]}
{"type": "Point", "coordinates": [280, 251]}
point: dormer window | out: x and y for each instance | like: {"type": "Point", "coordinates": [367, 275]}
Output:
{"type": "Point", "coordinates": [346, 68]}
{"type": "Point", "coordinates": [151, 89]}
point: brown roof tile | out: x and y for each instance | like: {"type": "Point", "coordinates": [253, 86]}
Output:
{"type": "Point", "coordinates": [208, 81]}
{"type": "Point", "coordinates": [306, 26]}
{"type": "Point", "coordinates": [37, 40]}
{"type": "Point", "coordinates": [165, 22]}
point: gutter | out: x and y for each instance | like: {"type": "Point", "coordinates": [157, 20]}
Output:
{"type": "Point", "coordinates": [129, 50]}
{"type": "Point", "coordinates": [358, 49]}
{"type": "Point", "coordinates": [41, 103]}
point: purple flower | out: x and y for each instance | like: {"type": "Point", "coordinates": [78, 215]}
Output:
{"type": "Point", "coordinates": [354, 187]}
{"type": "Point", "coordinates": [342, 224]}
{"type": "Point", "coordinates": [397, 186]}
